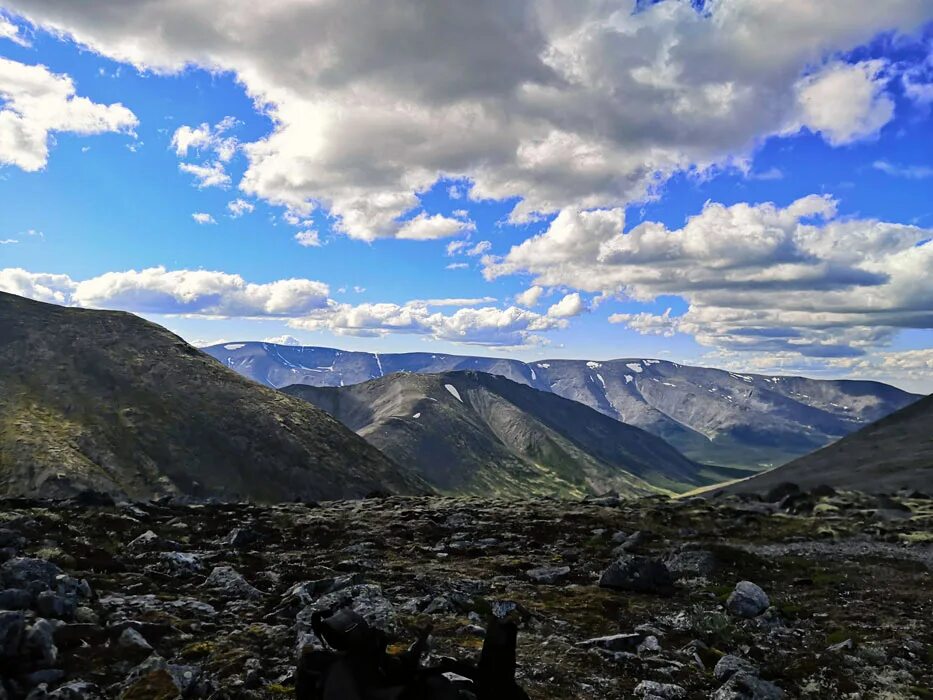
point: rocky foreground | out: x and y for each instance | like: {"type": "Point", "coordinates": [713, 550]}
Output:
{"type": "Point", "coordinates": [814, 595]}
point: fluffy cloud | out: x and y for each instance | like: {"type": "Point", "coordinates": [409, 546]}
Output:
{"type": "Point", "coordinates": [35, 103]}
{"type": "Point", "coordinates": [10, 31]}
{"type": "Point", "coordinates": [239, 207]}
{"type": "Point", "coordinates": [590, 104]}
{"type": "Point", "coordinates": [424, 227]}
{"type": "Point", "coordinates": [530, 297]}
{"type": "Point", "coordinates": [301, 303]}
{"type": "Point", "coordinates": [201, 217]}
{"type": "Point", "coordinates": [756, 277]}
{"type": "Point", "coordinates": [846, 102]}
{"type": "Point", "coordinates": [571, 305]}
{"type": "Point", "coordinates": [211, 175]}
{"type": "Point", "coordinates": [308, 239]}
{"type": "Point", "coordinates": [479, 326]}
{"type": "Point", "coordinates": [206, 138]}
{"type": "Point", "coordinates": [160, 291]}
{"type": "Point", "coordinates": [40, 286]}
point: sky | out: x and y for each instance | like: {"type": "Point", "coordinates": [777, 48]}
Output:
{"type": "Point", "coordinates": [734, 183]}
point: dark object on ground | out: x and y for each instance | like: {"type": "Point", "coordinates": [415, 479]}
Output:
{"type": "Point", "coordinates": [357, 667]}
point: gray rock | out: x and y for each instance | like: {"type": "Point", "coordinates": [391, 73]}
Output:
{"type": "Point", "coordinates": [691, 563]}
{"type": "Point", "coordinates": [630, 543]}
{"type": "Point", "coordinates": [652, 690]}
{"type": "Point", "coordinates": [309, 591]}
{"type": "Point", "coordinates": [846, 645]}
{"type": "Point", "coordinates": [151, 542]}
{"type": "Point", "coordinates": [746, 686]}
{"type": "Point", "coordinates": [729, 665]}
{"type": "Point", "coordinates": [184, 678]}
{"type": "Point", "coordinates": [76, 690]}
{"type": "Point", "coordinates": [43, 677]}
{"type": "Point", "coordinates": [747, 600]}
{"type": "Point", "coordinates": [12, 627]}
{"type": "Point", "coordinates": [242, 537]}
{"type": "Point", "coordinates": [132, 642]}
{"type": "Point", "coordinates": [180, 563]}
{"type": "Point", "coordinates": [11, 538]}
{"type": "Point", "coordinates": [231, 583]}
{"type": "Point", "coordinates": [39, 641]}
{"type": "Point", "coordinates": [615, 642]}
{"type": "Point", "coordinates": [15, 599]}
{"type": "Point", "coordinates": [49, 604]}
{"type": "Point", "coordinates": [638, 573]}
{"type": "Point", "coordinates": [548, 574]}
{"type": "Point", "coordinates": [650, 645]}
{"type": "Point", "coordinates": [34, 575]}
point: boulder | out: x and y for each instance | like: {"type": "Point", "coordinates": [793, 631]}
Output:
{"type": "Point", "coordinates": [639, 574]}
{"type": "Point", "coordinates": [33, 575]}
{"type": "Point", "coordinates": [729, 665]}
{"type": "Point", "coordinates": [747, 600]}
{"type": "Point", "coordinates": [12, 627]}
{"type": "Point", "coordinates": [230, 582]}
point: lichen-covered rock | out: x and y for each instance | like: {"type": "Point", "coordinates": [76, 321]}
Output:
{"type": "Point", "coordinates": [652, 690]}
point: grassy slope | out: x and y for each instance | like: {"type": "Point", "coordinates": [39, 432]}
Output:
{"type": "Point", "coordinates": [110, 401]}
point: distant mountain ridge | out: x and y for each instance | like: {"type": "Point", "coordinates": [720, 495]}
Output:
{"type": "Point", "coordinates": [710, 415]}
{"type": "Point", "coordinates": [482, 434]}
{"type": "Point", "coordinates": [105, 400]}
{"type": "Point", "coordinates": [893, 453]}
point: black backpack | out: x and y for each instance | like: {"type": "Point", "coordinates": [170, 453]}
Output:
{"type": "Point", "coordinates": [357, 667]}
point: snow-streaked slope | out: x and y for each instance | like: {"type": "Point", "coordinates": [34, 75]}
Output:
{"type": "Point", "coordinates": [711, 415]}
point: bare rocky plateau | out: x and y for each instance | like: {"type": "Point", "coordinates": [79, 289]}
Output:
{"type": "Point", "coordinates": [814, 595]}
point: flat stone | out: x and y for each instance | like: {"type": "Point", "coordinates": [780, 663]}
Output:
{"type": "Point", "coordinates": [747, 686]}
{"type": "Point", "coordinates": [615, 642]}
{"type": "Point", "coordinates": [548, 574]}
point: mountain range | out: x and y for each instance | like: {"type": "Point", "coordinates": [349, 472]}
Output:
{"type": "Point", "coordinates": [477, 433]}
{"type": "Point", "coordinates": [712, 416]}
{"type": "Point", "coordinates": [105, 400]}
{"type": "Point", "coordinates": [893, 453]}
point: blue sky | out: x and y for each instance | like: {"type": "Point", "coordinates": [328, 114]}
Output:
{"type": "Point", "coordinates": [553, 178]}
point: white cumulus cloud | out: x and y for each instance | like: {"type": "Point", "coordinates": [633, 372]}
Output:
{"type": "Point", "coordinates": [36, 103]}
{"type": "Point", "coordinates": [582, 105]}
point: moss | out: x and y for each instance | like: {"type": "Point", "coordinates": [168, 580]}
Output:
{"type": "Point", "coordinates": [279, 689]}
{"type": "Point", "coordinates": [197, 650]}
{"type": "Point", "coordinates": [840, 636]}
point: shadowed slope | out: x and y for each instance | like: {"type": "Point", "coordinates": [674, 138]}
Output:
{"type": "Point", "coordinates": [471, 432]}
{"type": "Point", "coordinates": [110, 401]}
{"type": "Point", "coordinates": [892, 453]}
